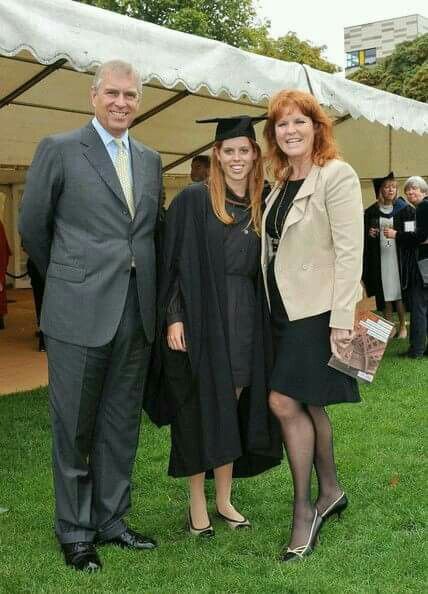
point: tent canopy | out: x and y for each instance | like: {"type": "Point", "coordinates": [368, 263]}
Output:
{"type": "Point", "coordinates": [49, 49]}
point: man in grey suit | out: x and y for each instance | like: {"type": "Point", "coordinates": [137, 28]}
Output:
{"type": "Point", "coordinates": [88, 221]}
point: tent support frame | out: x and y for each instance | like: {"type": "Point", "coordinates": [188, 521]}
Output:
{"type": "Point", "coordinates": [185, 158]}
{"type": "Point", "coordinates": [31, 82]}
{"type": "Point", "coordinates": [161, 107]}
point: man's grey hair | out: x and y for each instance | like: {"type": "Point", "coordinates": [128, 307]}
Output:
{"type": "Point", "coordinates": [117, 66]}
{"type": "Point", "coordinates": [415, 181]}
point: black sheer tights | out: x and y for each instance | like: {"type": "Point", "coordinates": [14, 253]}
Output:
{"type": "Point", "coordinates": [307, 436]}
{"type": "Point", "coordinates": [328, 487]}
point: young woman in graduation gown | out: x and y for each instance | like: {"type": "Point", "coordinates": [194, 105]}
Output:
{"type": "Point", "coordinates": [211, 359]}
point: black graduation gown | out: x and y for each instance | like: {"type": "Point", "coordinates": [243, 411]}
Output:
{"type": "Point", "coordinates": [372, 275]}
{"type": "Point", "coordinates": [220, 431]}
{"type": "Point", "coordinates": [406, 255]}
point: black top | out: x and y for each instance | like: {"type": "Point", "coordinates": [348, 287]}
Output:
{"type": "Point", "coordinates": [241, 250]}
{"type": "Point", "coordinates": [241, 244]}
{"type": "Point", "coordinates": [417, 238]}
{"type": "Point", "coordinates": [280, 209]}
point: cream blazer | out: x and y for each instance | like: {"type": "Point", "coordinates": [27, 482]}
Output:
{"type": "Point", "coordinates": [318, 263]}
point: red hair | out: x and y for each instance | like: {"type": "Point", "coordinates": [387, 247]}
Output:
{"type": "Point", "coordinates": [217, 188]}
{"type": "Point", "coordinates": [324, 148]}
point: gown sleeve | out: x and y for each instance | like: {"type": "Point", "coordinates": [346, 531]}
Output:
{"type": "Point", "coordinates": [174, 311]}
{"type": "Point", "coordinates": [170, 297]}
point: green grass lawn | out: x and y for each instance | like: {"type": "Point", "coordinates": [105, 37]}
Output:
{"type": "Point", "coordinates": [378, 547]}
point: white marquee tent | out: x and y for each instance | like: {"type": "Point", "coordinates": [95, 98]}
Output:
{"type": "Point", "coordinates": [49, 49]}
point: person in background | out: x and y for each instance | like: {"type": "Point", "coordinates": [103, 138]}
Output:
{"type": "Point", "coordinates": [200, 168]}
{"type": "Point", "coordinates": [312, 247]}
{"type": "Point", "coordinates": [38, 287]}
{"type": "Point", "coordinates": [415, 237]}
{"type": "Point", "coordinates": [381, 267]}
{"type": "Point", "coordinates": [266, 190]}
{"type": "Point", "coordinates": [213, 330]}
{"type": "Point", "coordinates": [405, 221]}
{"type": "Point", "coordinates": [5, 254]}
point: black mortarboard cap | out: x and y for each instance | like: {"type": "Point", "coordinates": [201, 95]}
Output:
{"type": "Point", "coordinates": [378, 181]}
{"type": "Point", "coordinates": [234, 126]}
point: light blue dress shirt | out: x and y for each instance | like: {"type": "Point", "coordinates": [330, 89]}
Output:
{"type": "Point", "coordinates": [111, 146]}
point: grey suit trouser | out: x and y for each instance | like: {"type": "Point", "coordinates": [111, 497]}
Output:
{"type": "Point", "coordinates": [95, 400]}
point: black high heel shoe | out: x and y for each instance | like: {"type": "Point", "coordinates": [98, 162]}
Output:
{"type": "Point", "coordinates": [299, 553]}
{"type": "Point", "coordinates": [337, 507]}
{"type": "Point", "coordinates": [207, 532]}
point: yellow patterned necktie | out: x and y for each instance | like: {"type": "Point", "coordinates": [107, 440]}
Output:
{"type": "Point", "coordinates": [121, 165]}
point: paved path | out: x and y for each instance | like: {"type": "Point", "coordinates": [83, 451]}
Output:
{"type": "Point", "coordinates": [22, 367]}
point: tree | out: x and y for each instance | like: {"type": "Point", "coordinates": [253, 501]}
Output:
{"type": "Point", "coordinates": [404, 72]}
{"type": "Point", "coordinates": [292, 49]}
{"type": "Point", "coordinates": [233, 21]}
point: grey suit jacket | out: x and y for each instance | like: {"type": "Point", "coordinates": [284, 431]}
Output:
{"type": "Point", "coordinates": [76, 227]}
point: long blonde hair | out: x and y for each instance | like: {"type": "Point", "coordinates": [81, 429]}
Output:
{"type": "Point", "coordinates": [217, 188]}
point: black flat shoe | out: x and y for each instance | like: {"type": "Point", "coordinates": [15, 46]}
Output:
{"type": "Point", "coordinates": [299, 553]}
{"type": "Point", "coordinates": [234, 524]}
{"type": "Point", "coordinates": [129, 539]}
{"type": "Point", "coordinates": [207, 532]}
{"type": "Point", "coordinates": [81, 556]}
{"type": "Point", "coordinates": [337, 507]}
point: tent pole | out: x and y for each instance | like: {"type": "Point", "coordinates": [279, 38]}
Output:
{"type": "Point", "coordinates": [161, 107]}
{"type": "Point", "coordinates": [308, 79]}
{"type": "Point", "coordinates": [197, 151]}
{"type": "Point", "coordinates": [31, 82]}
{"type": "Point", "coordinates": [389, 147]}
{"type": "Point", "coordinates": [341, 120]}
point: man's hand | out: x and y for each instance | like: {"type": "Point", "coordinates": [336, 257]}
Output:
{"type": "Point", "coordinates": [339, 340]}
{"type": "Point", "coordinates": [175, 337]}
{"type": "Point", "coordinates": [373, 232]}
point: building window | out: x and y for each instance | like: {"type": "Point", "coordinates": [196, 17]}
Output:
{"type": "Point", "coordinates": [370, 56]}
{"type": "Point", "coordinates": [361, 58]}
{"type": "Point", "coordinates": [352, 60]}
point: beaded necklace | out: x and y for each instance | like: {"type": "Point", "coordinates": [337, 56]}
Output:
{"type": "Point", "coordinates": [283, 193]}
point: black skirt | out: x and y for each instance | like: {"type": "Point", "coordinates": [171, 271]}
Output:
{"type": "Point", "coordinates": [302, 351]}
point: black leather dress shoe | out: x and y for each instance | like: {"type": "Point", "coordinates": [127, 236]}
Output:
{"type": "Point", "coordinates": [129, 539]}
{"type": "Point", "coordinates": [81, 556]}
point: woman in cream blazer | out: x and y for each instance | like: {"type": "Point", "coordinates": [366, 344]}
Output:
{"type": "Point", "coordinates": [312, 245]}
